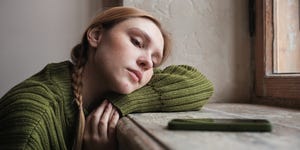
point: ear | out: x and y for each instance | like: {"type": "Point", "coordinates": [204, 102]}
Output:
{"type": "Point", "coordinates": [94, 36]}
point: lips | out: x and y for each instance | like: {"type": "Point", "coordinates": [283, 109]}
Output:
{"type": "Point", "coordinates": [136, 75]}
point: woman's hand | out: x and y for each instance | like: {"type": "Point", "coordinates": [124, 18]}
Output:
{"type": "Point", "coordinates": [100, 128]}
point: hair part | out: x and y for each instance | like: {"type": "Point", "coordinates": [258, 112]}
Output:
{"type": "Point", "coordinates": [79, 54]}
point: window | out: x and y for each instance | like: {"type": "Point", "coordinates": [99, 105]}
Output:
{"type": "Point", "coordinates": [286, 36]}
{"type": "Point", "coordinates": [277, 73]}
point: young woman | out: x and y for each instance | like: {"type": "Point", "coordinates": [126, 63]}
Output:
{"type": "Point", "coordinates": [76, 105]}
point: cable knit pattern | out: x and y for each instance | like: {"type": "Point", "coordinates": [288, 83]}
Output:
{"type": "Point", "coordinates": [40, 112]}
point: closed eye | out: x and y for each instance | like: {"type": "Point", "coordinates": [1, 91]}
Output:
{"type": "Point", "coordinates": [154, 64]}
{"type": "Point", "coordinates": [136, 43]}
{"type": "Point", "coordinates": [156, 61]}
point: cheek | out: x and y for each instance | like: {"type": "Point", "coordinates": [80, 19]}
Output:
{"type": "Point", "coordinates": [147, 76]}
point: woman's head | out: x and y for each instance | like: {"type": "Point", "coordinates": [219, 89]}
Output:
{"type": "Point", "coordinates": [107, 20]}
{"type": "Point", "coordinates": [123, 57]}
{"type": "Point", "coordinates": [105, 45]}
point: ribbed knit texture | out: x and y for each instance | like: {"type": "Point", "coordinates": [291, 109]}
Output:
{"type": "Point", "coordinates": [176, 88]}
{"type": "Point", "coordinates": [40, 113]}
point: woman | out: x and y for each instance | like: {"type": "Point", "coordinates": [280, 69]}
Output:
{"type": "Point", "coordinates": [112, 73]}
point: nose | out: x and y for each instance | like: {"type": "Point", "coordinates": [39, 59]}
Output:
{"type": "Point", "coordinates": [145, 62]}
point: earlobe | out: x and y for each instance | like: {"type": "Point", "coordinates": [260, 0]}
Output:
{"type": "Point", "coordinates": [94, 37]}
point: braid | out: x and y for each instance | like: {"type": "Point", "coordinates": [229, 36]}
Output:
{"type": "Point", "coordinates": [79, 61]}
{"type": "Point", "coordinates": [77, 83]}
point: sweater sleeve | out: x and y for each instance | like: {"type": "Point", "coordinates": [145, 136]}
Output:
{"type": "Point", "coordinates": [176, 88]}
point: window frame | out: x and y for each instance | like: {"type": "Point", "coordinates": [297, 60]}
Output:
{"type": "Point", "coordinates": [271, 88]}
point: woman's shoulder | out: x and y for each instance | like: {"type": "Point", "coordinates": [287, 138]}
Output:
{"type": "Point", "coordinates": [38, 99]}
{"type": "Point", "coordinates": [54, 71]}
{"type": "Point", "coordinates": [44, 86]}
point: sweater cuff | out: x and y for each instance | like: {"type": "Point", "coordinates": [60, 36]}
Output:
{"type": "Point", "coordinates": [141, 100]}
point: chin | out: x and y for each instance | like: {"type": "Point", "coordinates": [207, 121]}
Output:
{"type": "Point", "coordinates": [125, 89]}
{"type": "Point", "coordinates": [125, 92]}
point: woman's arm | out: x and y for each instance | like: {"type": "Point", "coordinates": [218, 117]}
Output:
{"type": "Point", "coordinates": [176, 88]}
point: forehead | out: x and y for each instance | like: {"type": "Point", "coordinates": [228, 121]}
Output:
{"type": "Point", "coordinates": [146, 26]}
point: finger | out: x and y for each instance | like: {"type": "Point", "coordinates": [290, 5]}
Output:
{"type": "Point", "coordinates": [113, 124]}
{"type": "Point", "coordinates": [112, 112]}
{"type": "Point", "coordinates": [103, 122]}
{"type": "Point", "coordinates": [94, 117]}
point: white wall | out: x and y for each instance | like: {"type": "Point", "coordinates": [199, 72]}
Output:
{"type": "Point", "coordinates": [34, 33]}
{"type": "Point", "coordinates": [211, 35]}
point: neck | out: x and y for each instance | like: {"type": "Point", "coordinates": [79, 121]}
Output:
{"type": "Point", "coordinates": [92, 91]}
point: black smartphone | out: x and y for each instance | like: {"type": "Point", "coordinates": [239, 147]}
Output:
{"type": "Point", "coordinates": [209, 124]}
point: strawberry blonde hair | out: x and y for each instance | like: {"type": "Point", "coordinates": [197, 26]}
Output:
{"type": "Point", "coordinates": [79, 55]}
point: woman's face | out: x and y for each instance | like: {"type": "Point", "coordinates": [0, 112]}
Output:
{"type": "Point", "coordinates": [126, 54]}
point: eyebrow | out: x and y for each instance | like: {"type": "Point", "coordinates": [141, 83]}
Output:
{"type": "Point", "coordinates": [143, 33]}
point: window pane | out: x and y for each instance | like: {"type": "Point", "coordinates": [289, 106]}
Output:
{"type": "Point", "coordinates": [286, 36]}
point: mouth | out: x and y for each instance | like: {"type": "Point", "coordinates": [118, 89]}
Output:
{"type": "Point", "coordinates": [135, 75]}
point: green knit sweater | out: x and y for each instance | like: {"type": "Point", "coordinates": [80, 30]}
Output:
{"type": "Point", "coordinates": [40, 113]}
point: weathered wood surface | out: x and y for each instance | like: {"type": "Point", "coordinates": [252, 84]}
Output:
{"type": "Point", "coordinates": [285, 134]}
{"type": "Point", "coordinates": [132, 137]}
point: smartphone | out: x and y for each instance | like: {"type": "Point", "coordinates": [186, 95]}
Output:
{"type": "Point", "coordinates": [209, 124]}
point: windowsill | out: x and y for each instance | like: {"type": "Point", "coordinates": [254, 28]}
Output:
{"type": "Point", "coordinates": [148, 130]}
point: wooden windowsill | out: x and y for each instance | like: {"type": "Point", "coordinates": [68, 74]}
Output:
{"type": "Point", "coordinates": [148, 130]}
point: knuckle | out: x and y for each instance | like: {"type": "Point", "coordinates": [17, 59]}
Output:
{"type": "Point", "coordinates": [112, 127]}
{"type": "Point", "coordinates": [85, 137]}
{"type": "Point", "coordinates": [107, 110]}
{"type": "Point", "coordinates": [94, 138]}
{"type": "Point", "coordinates": [94, 116]}
{"type": "Point", "coordinates": [102, 122]}
{"type": "Point", "coordinates": [89, 138]}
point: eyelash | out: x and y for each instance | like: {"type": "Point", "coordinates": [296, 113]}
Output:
{"type": "Point", "coordinates": [137, 43]}
{"type": "Point", "coordinates": [154, 64]}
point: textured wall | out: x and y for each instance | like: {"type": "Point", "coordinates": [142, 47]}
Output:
{"type": "Point", "coordinates": [211, 35]}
